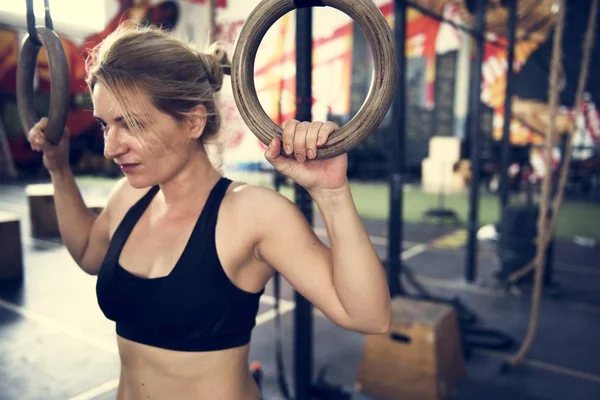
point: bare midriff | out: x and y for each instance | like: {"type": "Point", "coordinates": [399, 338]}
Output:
{"type": "Point", "coordinates": [152, 373]}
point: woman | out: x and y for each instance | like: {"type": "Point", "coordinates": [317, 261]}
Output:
{"type": "Point", "coordinates": [183, 254]}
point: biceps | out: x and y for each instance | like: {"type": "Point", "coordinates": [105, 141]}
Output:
{"type": "Point", "coordinates": [97, 245]}
{"type": "Point", "coordinates": [306, 263]}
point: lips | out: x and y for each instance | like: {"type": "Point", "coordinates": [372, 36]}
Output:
{"type": "Point", "coordinates": [128, 167]}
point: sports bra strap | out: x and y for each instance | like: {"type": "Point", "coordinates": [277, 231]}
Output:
{"type": "Point", "coordinates": [208, 217]}
{"type": "Point", "coordinates": [130, 219]}
{"type": "Point", "coordinates": [106, 276]}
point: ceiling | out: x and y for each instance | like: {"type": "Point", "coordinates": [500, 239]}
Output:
{"type": "Point", "coordinates": [535, 18]}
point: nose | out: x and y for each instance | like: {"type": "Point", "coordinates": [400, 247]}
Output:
{"type": "Point", "coordinates": [114, 145]}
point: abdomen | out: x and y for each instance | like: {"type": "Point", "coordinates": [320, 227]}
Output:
{"type": "Point", "coordinates": [154, 373]}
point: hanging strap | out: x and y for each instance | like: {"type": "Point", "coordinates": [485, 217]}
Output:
{"type": "Point", "coordinates": [47, 17]}
{"type": "Point", "coordinates": [31, 29]}
{"type": "Point", "coordinates": [308, 3]}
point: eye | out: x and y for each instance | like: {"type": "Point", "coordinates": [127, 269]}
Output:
{"type": "Point", "coordinates": [102, 124]}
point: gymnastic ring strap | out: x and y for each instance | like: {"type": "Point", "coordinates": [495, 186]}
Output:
{"type": "Point", "coordinates": [385, 72]}
{"type": "Point", "coordinates": [308, 3]}
{"type": "Point", "coordinates": [59, 78]}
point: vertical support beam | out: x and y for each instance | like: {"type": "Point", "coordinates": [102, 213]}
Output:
{"type": "Point", "coordinates": [505, 155]}
{"type": "Point", "coordinates": [475, 141]}
{"type": "Point", "coordinates": [303, 324]}
{"type": "Point", "coordinates": [212, 38]}
{"type": "Point", "coordinates": [397, 156]}
{"type": "Point", "coordinates": [212, 21]}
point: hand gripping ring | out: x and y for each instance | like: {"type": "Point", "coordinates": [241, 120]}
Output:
{"type": "Point", "coordinates": [383, 47]}
{"type": "Point", "coordinates": [59, 78]}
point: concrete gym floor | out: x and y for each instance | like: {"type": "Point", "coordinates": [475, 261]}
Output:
{"type": "Point", "coordinates": [56, 344]}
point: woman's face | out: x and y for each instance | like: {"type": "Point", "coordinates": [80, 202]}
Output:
{"type": "Point", "coordinates": [150, 153]}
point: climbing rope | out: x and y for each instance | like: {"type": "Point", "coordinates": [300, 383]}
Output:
{"type": "Point", "coordinates": [546, 225]}
{"type": "Point", "coordinates": [546, 183]}
{"type": "Point", "coordinates": [588, 45]}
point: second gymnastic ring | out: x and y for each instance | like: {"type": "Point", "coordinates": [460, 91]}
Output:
{"type": "Point", "coordinates": [385, 70]}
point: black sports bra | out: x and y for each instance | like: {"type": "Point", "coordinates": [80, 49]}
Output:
{"type": "Point", "coordinates": [194, 308]}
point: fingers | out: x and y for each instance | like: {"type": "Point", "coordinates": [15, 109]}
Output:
{"type": "Point", "coordinates": [273, 155]}
{"type": "Point", "coordinates": [41, 124]}
{"type": "Point", "coordinates": [300, 141]}
{"type": "Point", "coordinates": [273, 151]}
{"type": "Point", "coordinates": [312, 139]}
{"type": "Point", "coordinates": [324, 132]}
{"type": "Point", "coordinates": [289, 131]}
{"type": "Point", "coordinates": [37, 138]}
{"type": "Point", "coordinates": [303, 139]}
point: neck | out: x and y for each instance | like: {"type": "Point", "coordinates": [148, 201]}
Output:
{"type": "Point", "coordinates": [190, 186]}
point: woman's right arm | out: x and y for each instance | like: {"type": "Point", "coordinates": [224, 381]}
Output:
{"type": "Point", "coordinates": [85, 234]}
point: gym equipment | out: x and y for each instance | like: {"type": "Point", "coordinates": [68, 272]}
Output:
{"type": "Point", "coordinates": [475, 141]}
{"type": "Point", "coordinates": [549, 206]}
{"type": "Point", "coordinates": [59, 75]}
{"type": "Point", "coordinates": [304, 387]}
{"type": "Point", "coordinates": [421, 358]}
{"type": "Point", "coordinates": [517, 243]}
{"type": "Point", "coordinates": [11, 251]}
{"type": "Point", "coordinates": [510, 74]}
{"type": "Point", "coordinates": [7, 164]}
{"type": "Point", "coordinates": [42, 212]}
{"type": "Point", "coordinates": [438, 175]}
{"type": "Point", "coordinates": [385, 71]}
{"type": "Point", "coordinates": [397, 272]}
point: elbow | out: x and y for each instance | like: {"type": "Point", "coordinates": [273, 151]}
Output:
{"type": "Point", "coordinates": [379, 326]}
{"type": "Point", "coordinates": [381, 323]}
{"type": "Point", "coordinates": [385, 327]}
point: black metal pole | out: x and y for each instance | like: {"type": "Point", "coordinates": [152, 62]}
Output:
{"type": "Point", "coordinates": [475, 141]}
{"type": "Point", "coordinates": [303, 324]}
{"type": "Point", "coordinates": [397, 130]}
{"type": "Point", "coordinates": [505, 155]}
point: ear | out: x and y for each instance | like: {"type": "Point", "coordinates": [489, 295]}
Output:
{"type": "Point", "coordinates": [197, 121]}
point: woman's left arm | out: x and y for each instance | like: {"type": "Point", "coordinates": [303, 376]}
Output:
{"type": "Point", "coordinates": [346, 281]}
{"type": "Point", "coordinates": [358, 275]}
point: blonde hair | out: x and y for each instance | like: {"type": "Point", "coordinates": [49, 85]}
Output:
{"type": "Point", "coordinates": [135, 60]}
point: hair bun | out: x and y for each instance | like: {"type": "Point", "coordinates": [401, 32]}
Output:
{"type": "Point", "coordinates": [214, 61]}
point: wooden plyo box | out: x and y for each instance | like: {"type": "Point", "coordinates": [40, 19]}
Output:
{"type": "Point", "coordinates": [420, 359]}
{"type": "Point", "coordinates": [42, 212]}
{"type": "Point", "coordinates": [11, 250]}
{"type": "Point", "coordinates": [444, 148]}
{"type": "Point", "coordinates": [96, 205]}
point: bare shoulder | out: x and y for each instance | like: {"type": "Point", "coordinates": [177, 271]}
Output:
{"type": "Point", "coordinates": [259, 206]}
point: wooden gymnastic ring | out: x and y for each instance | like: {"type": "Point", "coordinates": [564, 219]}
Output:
{"type": "Point", "coordinates": [383, 47]}
{"type": "Point", "coordinates": [59, 81]}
